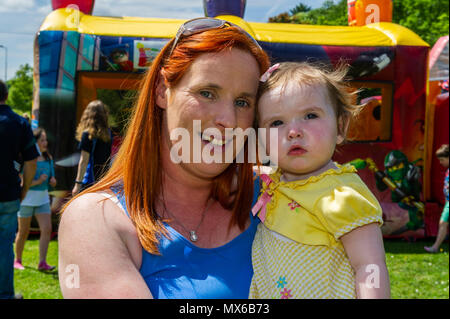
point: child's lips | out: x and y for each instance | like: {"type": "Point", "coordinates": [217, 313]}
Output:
{"type": "Point", "coordinates": [296, 150]}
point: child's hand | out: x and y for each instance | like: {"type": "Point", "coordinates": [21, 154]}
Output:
{"type": "Point", "coordinates": [53, 181]}
{"type": "Point", "coordinates": [43, 178]}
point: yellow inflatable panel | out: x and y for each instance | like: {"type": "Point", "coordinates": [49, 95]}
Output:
{"type": "Point", "coordinates": [377, 34]}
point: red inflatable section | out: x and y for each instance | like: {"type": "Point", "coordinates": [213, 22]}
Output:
{"type": "Point", "coordinates": [85, 6]}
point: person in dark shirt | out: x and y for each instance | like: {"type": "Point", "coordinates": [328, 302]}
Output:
{"type": "Point", "coordinates": [94, 135]}
{"type": "Point", "coordinates": [16, 140]}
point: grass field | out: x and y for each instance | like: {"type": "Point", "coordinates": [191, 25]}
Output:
{"type": "Point", "coordinates": [414, 274]}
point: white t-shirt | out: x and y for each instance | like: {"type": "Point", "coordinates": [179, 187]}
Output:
{"type": "Point", "coordinates": [36, 198]}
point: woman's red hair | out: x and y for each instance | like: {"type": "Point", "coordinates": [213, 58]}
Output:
{"type": "Point", "coordinates": [139, 171]}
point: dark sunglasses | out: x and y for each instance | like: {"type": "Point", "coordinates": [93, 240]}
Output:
{"type": "Point", "coordinates": [199, 25]}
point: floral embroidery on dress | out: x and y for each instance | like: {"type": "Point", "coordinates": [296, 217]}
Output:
{"type": "Point", "coordinates": [286, 294]}
{"type": "Point", "coordinates": [294, 206]}
{"type": "Point", "coordinates": [281, 282]}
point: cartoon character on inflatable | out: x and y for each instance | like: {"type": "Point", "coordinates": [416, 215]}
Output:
{"type": "Point", "coordinates": [406, 177]}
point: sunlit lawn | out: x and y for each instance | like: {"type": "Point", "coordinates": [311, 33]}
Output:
{"type": "Point", "coordinates": [414, 274]}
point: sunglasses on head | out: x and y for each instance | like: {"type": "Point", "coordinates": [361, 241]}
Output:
{"type": "Point", "coordinates": [199, 25]}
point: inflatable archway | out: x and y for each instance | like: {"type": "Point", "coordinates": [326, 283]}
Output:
{"type": "Point", "coordinates": [80, 57]}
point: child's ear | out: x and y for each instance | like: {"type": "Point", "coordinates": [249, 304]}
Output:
{"type": "Point", "coordinates": [343, 124]}
{"type": "Point", "coordinates": [161, 95]}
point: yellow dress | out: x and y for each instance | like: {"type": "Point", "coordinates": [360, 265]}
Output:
{"type": "Point", "coordinates": [296, 252]}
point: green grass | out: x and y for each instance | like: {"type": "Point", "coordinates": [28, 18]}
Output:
{"type": "Point", "coordinates": [32, 283]}
{"type": "Point", "coordinates": [414, 274]}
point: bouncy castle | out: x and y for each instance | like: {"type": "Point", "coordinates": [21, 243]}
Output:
{"type": "Point", "coordinates": [80, 57]}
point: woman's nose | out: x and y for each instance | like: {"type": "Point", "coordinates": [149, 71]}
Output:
{"type": "Point", "coordinates": [226, 117]}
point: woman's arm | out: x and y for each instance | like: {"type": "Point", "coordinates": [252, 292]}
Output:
{"type": "Point", "coordinates": [364, 247]}
{"type": "Point", "coordinates": [99, 251]}
{"type": "Point", "coordinates": [82, 164]}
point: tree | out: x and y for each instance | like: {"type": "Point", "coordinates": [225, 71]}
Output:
{"type": "Point", "coordinates": [428, 18]}
{"type": "Point", "coordinates": [300, 8]}
{"type": "Point", "coordinates": [21, 89]}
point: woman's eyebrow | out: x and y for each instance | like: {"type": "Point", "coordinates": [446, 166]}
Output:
{"type": "Point", "coordinates": [248, 95]}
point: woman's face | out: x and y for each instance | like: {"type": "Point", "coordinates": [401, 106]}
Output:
{"type": "Point", "coordinates": [42, 142]}
{"type": "Point", "coordinates": [218, 91]}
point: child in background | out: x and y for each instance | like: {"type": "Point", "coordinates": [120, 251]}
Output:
{"type": "Point", "coordinates": [442, 154]}
{"type": "Point", "coordinates": [319, 236]}
{"type": "Point", "coordinates": [37, 203]}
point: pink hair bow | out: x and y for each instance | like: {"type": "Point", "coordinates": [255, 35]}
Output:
{"type": "Point", "coordinates": [269, 72]}
{"type": "Point", "coordinates": [263, 200]}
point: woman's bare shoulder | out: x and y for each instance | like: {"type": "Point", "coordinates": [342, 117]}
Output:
{"type": "Point", "coordinates": [98, 237]}
{"type": "Point", "coordinates": [95, 212]}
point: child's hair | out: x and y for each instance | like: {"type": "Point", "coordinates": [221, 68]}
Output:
{"type": "Point", "coordinates": [308, 74]}
{"type": "Point", "coordinates": [442, 151]}
{"type": "Point", "coordinates": [37, 135]}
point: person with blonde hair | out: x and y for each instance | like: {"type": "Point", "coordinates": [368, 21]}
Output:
{"type": "Point", "coordinates": [155, 228]}
{"type": "Point", "coordinates": [320, 234]}
{"type": "Point", "coordinates": [94, 135]}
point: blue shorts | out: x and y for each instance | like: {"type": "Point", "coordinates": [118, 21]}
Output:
{"type": "Point", "coordinates": [29, 211]}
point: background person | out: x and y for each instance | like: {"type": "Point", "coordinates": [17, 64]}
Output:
{"type": "Point", "coordinates": [442, 154]}
{"type": "Point", "coordinates": [182, 235]}
{"type": "Point", "coordinates": [37, 203]}
{"type": "Point", "coordinates": [16, 138]}
{"type": "Point", "coordinates": [94, 135]}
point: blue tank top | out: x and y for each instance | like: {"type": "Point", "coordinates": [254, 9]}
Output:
{"type": "Point", "coordinates": [185, 271]}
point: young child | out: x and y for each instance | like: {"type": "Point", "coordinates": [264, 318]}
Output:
{"type": "Point", "coordinates": [319, 236]}
{"type": "Point", "coordinates": [37, 203]}
{"type": "Point", "coordinates": [443, 156]}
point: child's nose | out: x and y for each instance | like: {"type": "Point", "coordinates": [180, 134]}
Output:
{"type": "Point", "coordinates": [295, 132]}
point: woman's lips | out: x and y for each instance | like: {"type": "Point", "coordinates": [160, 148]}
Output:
{"type": "Point", "coordinates": [215, 143]}
{"type": "Point", "coordinates": [296, 150]}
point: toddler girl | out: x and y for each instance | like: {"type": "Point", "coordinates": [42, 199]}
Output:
{"type": "Point", "coordinates": [319, 236]}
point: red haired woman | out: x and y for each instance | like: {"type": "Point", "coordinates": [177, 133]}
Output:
{"type": "Point", "coordinates": [171, 230]}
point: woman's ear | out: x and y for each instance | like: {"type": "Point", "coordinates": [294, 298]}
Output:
{"type": "Point", "coordinates": [161, 96]}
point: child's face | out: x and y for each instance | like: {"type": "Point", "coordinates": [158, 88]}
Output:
{"type": "Point", "coordinates": [443, 161]}
{"type": "Point", "coordinates": [42, 142]}
{"type": "Point", "coordinates": [307, 127]}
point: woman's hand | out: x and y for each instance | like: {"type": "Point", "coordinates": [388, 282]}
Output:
{"type": "Point", "coordinates": [76, 189]}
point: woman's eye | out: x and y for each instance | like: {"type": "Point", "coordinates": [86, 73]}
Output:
{"type": "Point", "coordinates": [206, 94]}
{"type": "Point", "coordinates": [311, 116]}
{"type": "Point", "coordinates": [242, 103]}
{"type": "Point", "coordinates": [276, 123]}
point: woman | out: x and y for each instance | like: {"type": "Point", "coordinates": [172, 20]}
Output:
{"type": "Point", "coordinates": [37, 203]}
{"type": "Point", "coordinates": [95, 144]}
{"type": "Point", "coordinates": [181, 233]}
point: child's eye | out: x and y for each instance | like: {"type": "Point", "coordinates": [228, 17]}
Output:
{"type": "Point", "coordinates": [242, 103]}
{"type": "Point", "coordinates": [311, 116]}
{"type": "Point", "coordinates": [276, 123]}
